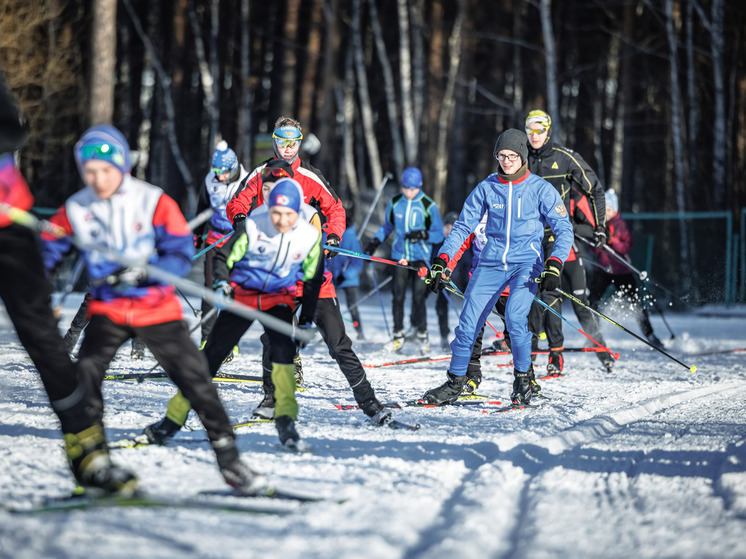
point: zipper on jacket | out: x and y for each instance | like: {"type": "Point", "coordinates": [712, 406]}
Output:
{"type": "Point", "coordinates": [507, 228]}
{"type": "Point", "coordinates": [406, 229]}
{"type": "Point", "coordinates": [519, 207]}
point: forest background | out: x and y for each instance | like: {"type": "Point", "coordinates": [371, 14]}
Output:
{"type": "Point", "coordinates": [650, 92]}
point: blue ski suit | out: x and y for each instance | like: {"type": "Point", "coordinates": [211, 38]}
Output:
{"type": "Point", "coordinates": [517, 212]}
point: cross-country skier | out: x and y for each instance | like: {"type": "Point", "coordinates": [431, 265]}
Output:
{"type": "Point", "coordinates": [415, 220]}
{"type": "Point", "coordinates": [566, 170]}
{"type": "Point", "coordinates": [518, 205]}
{"type": "Point", "coordinates": [117, 214]}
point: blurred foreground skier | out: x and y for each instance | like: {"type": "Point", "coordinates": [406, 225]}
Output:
{"type": "Point", "coordinates": [132, 218]}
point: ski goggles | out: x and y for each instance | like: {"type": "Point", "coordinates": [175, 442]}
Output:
{"type": "Point", "coordinates": [286, 142]}
{"type": "Point", "coordinates": [105, 151]}
{"type": "Point", "coordinates": [273, 174]}
{"type": "Point", "coordinates": [220, 170]}
{"type": "Point", "coordinates": [537, 132]}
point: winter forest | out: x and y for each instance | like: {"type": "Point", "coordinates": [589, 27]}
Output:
{"type": "Point", "coordinates": [650, 93]}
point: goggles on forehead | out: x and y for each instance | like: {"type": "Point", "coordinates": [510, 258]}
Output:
{"type": "Point", "coordinates": [273, 174]}
{"type": "Point", "coordinates": [537, 132]}
{"type": "Point", "coordinates": [100, 151]}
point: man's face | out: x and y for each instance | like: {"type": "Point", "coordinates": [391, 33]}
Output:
{"type": "Point", "coordinates": [104, 178]}
{"type": "Point", "coordinates": [266, 187]}
{"type": "Point", "coordinates": [537, 134]}
{"type": "Point", "coordinates": [509, 160]}
{"type": "Point", "coordinates": [410, 193]}
{"type": "Point", "coordinates": [283, 218]}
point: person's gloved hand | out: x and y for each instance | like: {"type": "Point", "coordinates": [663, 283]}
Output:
{"type": "Point", "coordinates": [332, 240]}
{"type": "Point", "coordinates": [340, 279]}
{"type": "Point", "coordinates": [199, 242]}
{"type": "Point", "coordinates": [371, 247]}
{"type": "Point", "coordinates": [132, 275]}
{"type": "Point", "coordinates": [439, 275]}
{"type": "Point", "coordinates": [550, 277]}
{"type": "Point", "coordinates": [239, 223]}
{"type": "Point", "coordinates": [223, 288]}
{"type": "Point", "coordinates": [599, 237]}
{"type": "Point", "coordinates": [306, 329]}
{"type": "Point", "coordinates": [416, 236]}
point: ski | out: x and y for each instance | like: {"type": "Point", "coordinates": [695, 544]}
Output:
{"type": "Point", "coordinates": [251, 422]}
{"type": "Point", "coordinates": [297, 447]}
{"type": "Point", "coordinates": [226, 501]}
{"type": "Point", "coordinates": [396, 424]}
{"type": "Point", "coordinates": [141, 377]}
{"type": "Point", "coordinates": [420, 404]}
{"type": "Point", "coordinates": [550, 376]}
{"type": "Point", "coordinates": [718, 352]}
{"type": "Point", "coordinates": [518, 407]}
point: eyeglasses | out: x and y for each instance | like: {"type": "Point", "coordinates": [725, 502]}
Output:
{"type": "Point", "coordinates": [273, 174]}
{"type": "Point", "coordinates": [537, 132]}
{"type": "Point", "coordinates": [504, 157]}
{"type": "Point", "coordinates": [285, 143]}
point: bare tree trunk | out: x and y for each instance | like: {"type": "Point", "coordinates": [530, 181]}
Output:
{"type": "Point", "coordinates": [445, 120]}
{"type": "Point", "coordinates": [289, 57]}
{"type": "Point", "coordinates": [103, 64]}
{"type": "Point", "coordinates": [419, 67]}
{"type": "Point", "coordinates": [547, 31]}
{"type": "Point", "coordinates": [435, 65]}
{"type": "Point", "coordinates": [625, 82]}
{"type": "Point", "coordinates": [717, 48]}
{"type": "Point", "coordinates": [325, 107]}
{"type": "Point", "coordinates": [366, 110]}
{"type": "Point", "coordinates": [519, 15]}
{"type": "Point", "coordinates": [212, 110]}
{"type": "Point", "coordinates": [676, 135]}
{"type": "Point", "coordinates": [313, 48]}
{"type": "Point", "coordinates": [245, 145]}
{"type": "Point", "coordinates": [405, 80]}
{"type": "Point", "coordinates": [692, 97]}
{"type": "Point", "coordinates": [165, 82]}
{"type": "Point", "coordinates": [389, 89]}
{"type": "Point", "coordinates": [207, 80]}
{"type": "Point", "coordinates": [347, 103]}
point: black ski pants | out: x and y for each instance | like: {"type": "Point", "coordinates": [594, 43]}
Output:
{"type": "Point", "coordinates": [330, 323]}
{"type": "Point", "coordinates": [26, 293]}
{"type": "Point", "coordinates": [173, 348]}
{"type": "Point", "coordinates": [404, 277]}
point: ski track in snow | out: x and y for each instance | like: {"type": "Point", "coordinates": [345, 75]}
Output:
{"type": "Point", "coordinates": [646, 462]}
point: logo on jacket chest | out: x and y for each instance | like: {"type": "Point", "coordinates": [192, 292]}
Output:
{"type": "Point", "coordinates": [498, 206]}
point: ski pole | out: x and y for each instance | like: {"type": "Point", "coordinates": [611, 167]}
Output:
{"type": "Point", "coordinates": [454, 289]}
{"type": "Point", "coordinates": [600, 346]}
{"type": "Point", "coordinates": [656, 348]}
{"type": "Point", "coordinates": [387, 177]}
{"type": "Point", "coordinates": [70, 285]}
{"type": "Point", "coordinates": [370, 293]}
{"type": "Point", "coordinates": [216, 243]}
{"type": "Point", "coordinates": [200, 218]}
{"type": "Point", "coordinates": [22, 217]}
{"type": "Point", "coordinates": [364, 256]}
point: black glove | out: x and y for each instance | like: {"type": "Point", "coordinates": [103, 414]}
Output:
{"type": "Point", "coordinates": [340, 279]}
{"type": "Point", "coordinates": [439, 275]}
{"type": "Point", "coordinates": [416, 236]}
{"type": "Point", "coordinates": [239, 223]}
{"type": "Point", "coordinates": [371, 247]}
{"type": "Point", "coordinates": [599, 237]}
{"type": "Point", "coordinates": [199, 242]}
{"type": "Point", "coordinates": [306, 327]}
{"type": "Point", "coordinates": [550, 277]}
{"type": "Point", "coordinates": [332, 240]}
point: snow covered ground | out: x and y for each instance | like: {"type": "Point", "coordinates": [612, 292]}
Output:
{"type": "Point", "coordinates": [647, 462]}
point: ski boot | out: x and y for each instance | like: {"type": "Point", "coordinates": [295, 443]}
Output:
{"type": "Point", "coordinates": [266, 408]}
{"type": "Point", "coordinates": [424, 342]}
{"type": "Point", "coordinates": [359, 330]}
{"type": "Point", "coordinates": [606, 360]}
{"type": "Point", "coordinates": [655, 340]}
{"type": "Point", "coordinates": [378, 414]}
{"type": "Point", "coordinates": [522, 391]}
{"type": "Point", "coordinates": [535, 388]}
{"type": "Point", "coordinates": [138, 349]}
{"type": "Point", "coordinates": [556, 362]}
{"type": "Point", "coordinates": [232, 355]}
{"type": "Point", "coordinates": [88, 455]}
{"type": "Point", "coordinates": [160, 432]}
{"type": "Point", "coordinates": [473, 380]}
{"type": "Point", "coordinates": [445, 345]}
{"type": "Point", "coordinates": [286, 430]}
{"type": "Point", "coordinates": [398, 341]}
{"type": "Point", "coordinates": [235, 473]}
{"type": "Point", "coordinates": [298, 370]}
{"type": "Point", "coordinates": [448, 392]}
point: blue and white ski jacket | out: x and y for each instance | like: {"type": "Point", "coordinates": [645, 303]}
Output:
{"type": "Point", "coordinates": [404, 216]}
{"type": "Point", "coordinates": [517, 212]}
{"type": "Point", "coordinates": [217, 194]}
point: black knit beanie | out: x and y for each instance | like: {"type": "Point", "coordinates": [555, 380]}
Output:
{"type": "Point", "coordinates": [514, 140]}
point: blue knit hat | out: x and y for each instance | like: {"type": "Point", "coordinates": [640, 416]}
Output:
{"type": "Point", "coordinates": [224, 159]}
{"type": "Point", "coordinates": [286, 193]}
{"type": "Point", "coordinates": [411, 178]}
{"type": "Point", "coordinates": [103, 143]}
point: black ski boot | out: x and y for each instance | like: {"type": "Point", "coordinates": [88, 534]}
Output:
{"type": "Point", "coordinates": [235, 473]}
{"type": "Point", "coordinates": [606, 360]}
{"type": "Point", "coordinates": [89, 460]}
{"type": "Point", "coordinates": [473, 380]}
{"type": "Point", "coordinates": [286, 430]}
{"type": "Point", "coordinates": [266, 408]}
{"type": "Point", "coordinates": [522, 392]}
{"type": "Point", "coordinates": [446, 393]}
{"type": "Point", "coordinates": [298, 370]}
{"type": "Point", "coordinates": [535, 388]}
{"type": "Point", "coordinates": [160, 432]}
{"type": "Point", "coordinates": [378, 414]}
{"type": "Point", "coordinates": [556, 362]}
